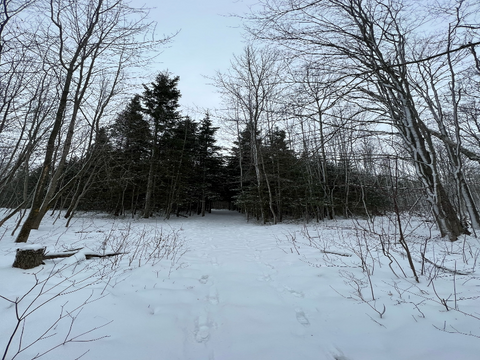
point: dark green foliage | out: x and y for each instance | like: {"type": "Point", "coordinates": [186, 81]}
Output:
{"type": "Point", "coordinates": [209, 182]}
{"type": "Point", "coordinates": [131, 132]}
{"type": "Point", "coordinates": [296, 184]}
{"type": "Point", "coordinates": [155, 160]}
{"type": "Point", "coordinates": [160, 100]}
{"type": "Point", "coordinates": [124, 162]}
{"type": "Point", "coordinates": [242, 175]}
{"type": "Point", "coordinates": [160, 105]}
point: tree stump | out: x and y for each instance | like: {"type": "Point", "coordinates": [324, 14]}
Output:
{"type": "Point", "coordinates": [29, 258]}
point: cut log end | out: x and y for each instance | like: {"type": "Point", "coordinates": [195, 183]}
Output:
{"type": "Point", "coordinates": [29, 258]}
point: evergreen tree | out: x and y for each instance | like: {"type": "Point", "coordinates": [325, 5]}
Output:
{"type": "Point", "coordinates": [131, 132]}
{"type": "Point", "coordinates": [132, 140]}
{"type": "Point", "coordinates": [209, 165]}
{"type": "Point", "coordinates": [241, 166]}
{"type": "Point", "coordinates": [177, 163]}
{"type": "Point", "coordinates": [280, 166]}
{"type": "Point", "coordinates": [160, 99]}
{"type": "Point", "coordinates": [120, 180]}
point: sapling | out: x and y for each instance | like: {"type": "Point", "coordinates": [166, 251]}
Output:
{"type": "Point", "coordinates": [357, 284]}
{"type": "Point", "coordinates": [45, 292]}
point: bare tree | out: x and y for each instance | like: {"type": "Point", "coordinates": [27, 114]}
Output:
{"type": "Point", "coordinates": [367, 44]}
{"type": "Point", "coordinates": [26, 88]}
{"type": "Point", "coordinates": [253, 85]}
{"type": "Point", "coordinates": [316, 100]}
{"type": "Point", "coordinates": [10, 9]}
{"type": "Point", "coordinates": [90, 44]}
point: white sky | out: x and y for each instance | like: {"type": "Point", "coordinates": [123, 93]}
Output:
{"type": "Point", "coordinates": [207, 40]}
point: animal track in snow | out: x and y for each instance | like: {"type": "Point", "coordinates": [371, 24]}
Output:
{"type": "Point", "coordinates": [298, 294]}
{"type": "Point", "coordinates": [203, 279]}
{"type": "Point", "coordinates": [153, 310]}
{"type": "Point", "coordinates": [264, 278]}
{"type": "Point", "coordinates": [301, 317]}
{"type": "Point", "coordinates": [270, 266]}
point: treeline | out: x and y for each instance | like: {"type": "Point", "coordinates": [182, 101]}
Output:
{"type": "Point", "coordinates": [273, 182]}
{"type": "Point", "coordinates": [152, 160]}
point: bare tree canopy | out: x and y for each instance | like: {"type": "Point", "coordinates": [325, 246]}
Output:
{"type": "Point", "coordinates": [398, 59]}
{"type": "Point", "coordinates": [62, 65]}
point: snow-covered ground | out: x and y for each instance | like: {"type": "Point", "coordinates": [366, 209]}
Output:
{"type": "Point", "coordinates": [221, 288]}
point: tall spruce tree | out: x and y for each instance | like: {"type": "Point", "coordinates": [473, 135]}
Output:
{"type": "Point", "coordinates": [177, 163]}
{"type": "Point", "coordinates": [133, 140]}
{"type": "Point", "coordinates": [280, 166]}
{"type": "Point", "coordinates": [209, 165]}
{"type": "Point", "coordinates": [131, 132]}
{"type": "Point", "coordinates": [241, 164]}
{"type": "Point", "coordinates": [160, 99]}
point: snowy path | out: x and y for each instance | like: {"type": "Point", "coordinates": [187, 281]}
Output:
{"type": "Point", "coordinates": [238, 297]}
{"type": "Point", "coordinates": [243, 292]}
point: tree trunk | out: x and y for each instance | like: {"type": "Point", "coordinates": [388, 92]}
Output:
{"type": "Point", "coordinates": [147, 211]}
{"type": "Point", "coordinates": [32, 219]}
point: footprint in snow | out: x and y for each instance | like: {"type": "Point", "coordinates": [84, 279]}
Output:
{"type": "Point", "coordinates": [213, 296]}
{"type": "Point", "coordinates": [202, 329]}
{"type": "Point", "coordinates": [214, 261]}
{"type": "Point", "coordinates": [338, 355]}
{"type": "Point", "coordinates": [153, 310]}
{"type": "Point", "coordinates": [203, 279]}
{"type": "Point", "coordinates": [301, 317]}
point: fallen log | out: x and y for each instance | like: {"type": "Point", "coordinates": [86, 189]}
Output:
{"type": "Point", "coordinates": [453, 271]}
{"type": "Point", "coordinates": [91, 256]}
{"type": "Point", "coordinates": [59, 255]}
{"type": "Point", "coordinates": [33, 256]}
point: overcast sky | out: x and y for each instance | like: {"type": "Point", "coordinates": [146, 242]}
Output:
{"type": "Point", "coordinates": [207, 40]}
